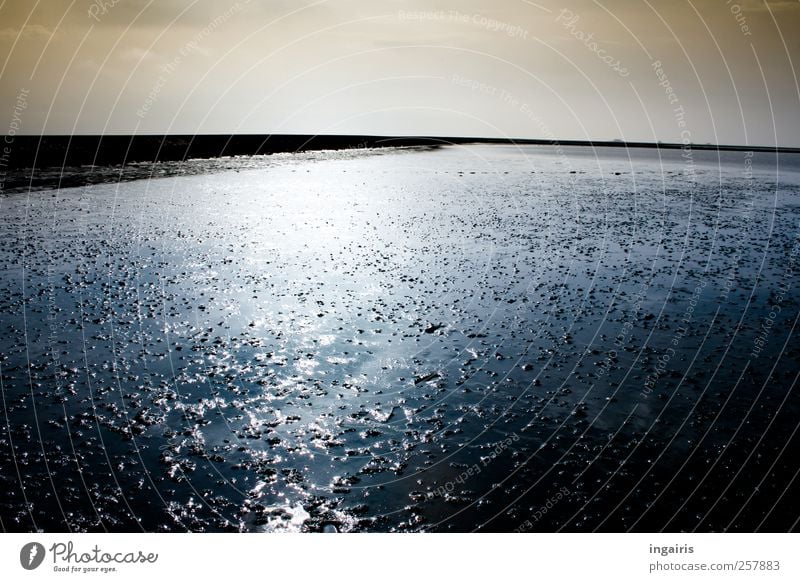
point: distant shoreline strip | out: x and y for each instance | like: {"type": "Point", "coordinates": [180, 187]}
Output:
{"type": "Point", "coordinates": [52, 151]}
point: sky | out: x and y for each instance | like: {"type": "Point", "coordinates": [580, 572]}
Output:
{"type": "Point", "coordinates": [700, 71]}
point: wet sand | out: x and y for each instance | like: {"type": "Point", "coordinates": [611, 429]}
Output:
{"type": "Point", "coordinates": [472, 338]}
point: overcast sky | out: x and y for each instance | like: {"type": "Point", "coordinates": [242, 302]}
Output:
{"type": "Point", "coordinates": [580, 69]}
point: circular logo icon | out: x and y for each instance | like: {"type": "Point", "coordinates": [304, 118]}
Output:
{"type": "Point", "coordinates": [31, 555]}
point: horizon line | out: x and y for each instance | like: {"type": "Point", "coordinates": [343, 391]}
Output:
{"type": "Point", "coordinates": [443, 140]}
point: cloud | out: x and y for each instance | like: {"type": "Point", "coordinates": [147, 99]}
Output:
{"type": "Point", "coordinates": [27, 31]}
{"type": "Point", "coordinates": [137, 54]}
{"type": "Point", "coordinates": [773, 5]}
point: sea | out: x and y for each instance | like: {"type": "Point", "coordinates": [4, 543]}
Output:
{"type": "Point", "coordinates": [468, 338]}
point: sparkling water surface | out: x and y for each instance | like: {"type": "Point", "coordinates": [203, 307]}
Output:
{"type": "Point", "coordinates": [470, 338]}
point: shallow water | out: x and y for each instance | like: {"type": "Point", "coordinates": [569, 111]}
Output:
{"type": "Point", "coordinates": [473, 338]}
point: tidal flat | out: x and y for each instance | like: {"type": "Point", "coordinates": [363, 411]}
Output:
{"type": "Point", "coordinates": [468, 338]}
